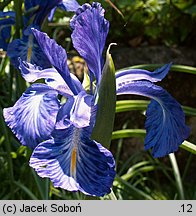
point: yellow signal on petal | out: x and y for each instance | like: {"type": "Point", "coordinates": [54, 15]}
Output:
{"type": "Point", "coordinates": [29, 54]}
{"type": "Point", "coordinates": [30, 48]}
{"type": "Point", "coordinates": [73, 162]}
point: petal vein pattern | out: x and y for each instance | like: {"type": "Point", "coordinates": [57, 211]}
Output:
{"type": "Point", "coordinates": [33, 116]}
{"type": "Point", "coordinates": [165, 124]}
{"type": "Point", "coordinates": [31, 73]}
{"type": "Point", "coordinates": [90, 30]}
{"type": "Point", "coordinates": [58, 58]}
{"type": "Point", "coordinates": [128, 75]}
{"type": "Point", "coordinates": [74, 162]}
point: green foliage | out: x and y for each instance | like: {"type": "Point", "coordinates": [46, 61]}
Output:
{"type": "Point", "coordinates": [154, 21]}
{"type": "Point", "coordinates": [106, 100]}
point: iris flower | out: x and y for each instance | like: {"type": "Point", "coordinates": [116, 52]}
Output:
{"type": "Point", "coordinates": [60, 133]}
{"type": "Point", "coordinates": [44, 8]}
{"type": "Point", "coordinates": [7, 19]}
{"type": "Point", "coordinates": [27, 48]}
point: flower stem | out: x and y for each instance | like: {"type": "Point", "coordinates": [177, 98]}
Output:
{"type": "Point", "coordinates": [177, 175]}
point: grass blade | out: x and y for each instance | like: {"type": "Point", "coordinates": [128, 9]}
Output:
{"type": "Point", "coordinates": [176, 68]}
{"type": "Point", "coordinates": [128, 105]}
{"type": "Point", "coordinates": [177, 175]}
{"type": "Point", "coordinates": [43, 185]}
{"type": "Point", "coordinates": [26, 190]}
{"type": "Point", "coordinates": [135, 191]}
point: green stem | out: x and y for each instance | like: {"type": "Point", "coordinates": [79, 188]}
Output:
{"type": "Point", "coordinates": [177, 175]}
{"type": "Point", "coordinates": [19, 21]}
{"type": "Point", "coordinates": [119, 147]}
{"type": "Point", "coordinates": [20, 82]}
{"type": "Point", "coordinates": [112, 195]}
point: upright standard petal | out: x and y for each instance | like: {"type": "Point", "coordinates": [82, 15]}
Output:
{"type": "Point", "coordinates": [74, 162]}
{"type": "Point", "coordinates": [58, 58]}
{"type": "Point", "coordinates": [90, 30]}
{"type": "Point", "coordinates": [165, 124]}
{"type": "Point", "coordinates": [127, 75]}
{"type": "Point", "coordinates": [28, 50]}
{"type": "Point", "coordinates": [33, 116]}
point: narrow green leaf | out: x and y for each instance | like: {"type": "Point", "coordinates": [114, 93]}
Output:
{"type": "Point", "coordinates": [26, 190]}
{"type": "Point", "coordinates": [128, 105]}
{"type": "Point", "coordinates": [43, 185]}
{"type": "Point", "coordinates": [135, 191]}
{"type": "Point", "coordinates": [189, 146]}
{"type": "Point", "coordinates": [111, 196]}
{"type": "Point", "coordinates": [127, 133]}
{"type": "Point", "coordinates": [102, 131]}
{"type": "Point", "coordinates": [177, 175]}
{"type": "Point", "coordinates": [177, 68]}
{"type": "Point", "coordinates": [189, 110]}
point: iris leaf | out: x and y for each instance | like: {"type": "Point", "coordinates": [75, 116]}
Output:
{"type": "Point", "coordinates": [177, 68]}
{"type": "Point", "coordinates": [102, 131]}
{"type": "Point", "coordinates": [127, 105]}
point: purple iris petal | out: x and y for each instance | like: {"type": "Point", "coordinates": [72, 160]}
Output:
{"type": "Point", "coordinates": [7, 19]}
{"type": "Point", "coordinates": [45, 6]}
{"type": "Point", "coordinates": [165, 124]}
{"type": "Point", "coordinates": [76, 111]}
{"type": "Point", "coordinates": [51, 15]}
{"type": "Point", "coordinates": [5, 34]}
{"type": "Point", "coordinates": [58, 58]}
{"type": "Point", "coordinates": [28, 50]}
{"type": "Point", "coordinates": [74, 162]}
{"type": "Point", "coordinates": [31, 73]}
{"type": "Point", "coordinates": [90, 30]}
{"type": "Point", "coordinates": [33, 116]}
{"type": "Point", "coordinates": [67, 5]}
{"type": "Point", "coordinates": [128, 75]}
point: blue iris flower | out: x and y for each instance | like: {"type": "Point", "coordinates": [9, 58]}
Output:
{"type": "Point", "coordinates": [27, 48]}
{"type": "Point", "coordinates": [59, 133]}
{"type": "Point", "coordinates": [7, 19]}
{"type": "Point", "coordinates": [47, 8]}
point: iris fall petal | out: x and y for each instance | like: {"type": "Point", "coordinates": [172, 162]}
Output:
{"type": "Point", "coordinates": [33, 116]}
{"type": "Point", "coordinates": [165, 123]}
{"type": "Point", "coordinates": [74, 162]}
